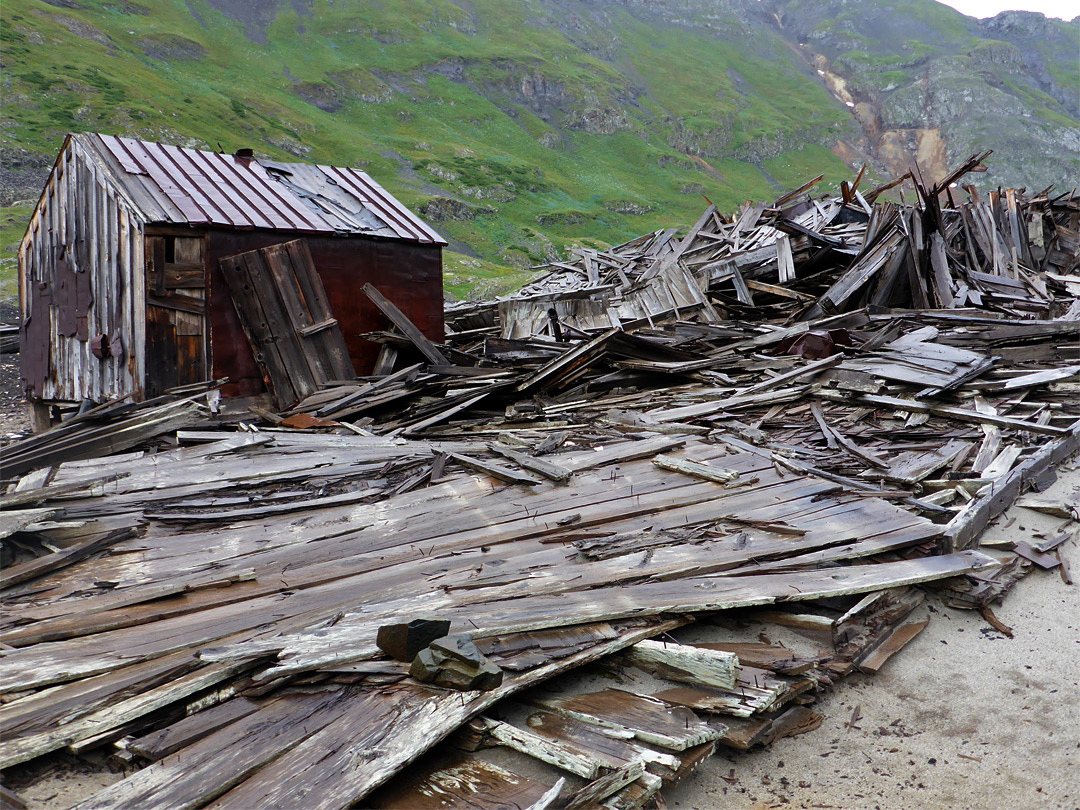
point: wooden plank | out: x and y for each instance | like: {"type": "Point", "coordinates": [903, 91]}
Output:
{"type": "Point", "coordinates": [185, 275]}
{"type": "Point", "coordinates": [171, 739]}
{"type": "Point", "coordinates": [494, 470]}
{"type": "Point", "coordinates": [808, 370]}
{"type": "Point", "coordinates": [651, 721]}
{"type": "Point", "coordinates": [623, 451]}
{"type": "Point", "coordinates": [963, 530]}
{"type": "Point", "coordinates": [542, 748]}
{"type": "Point", "coordinates": [590, 742]}
{"type": "Point", "coordinates": [407, 327]}
{"type": "Point", "coordinates": [896, 639]}
{"type": "Point", "coordinates": [24, 572]}
{"type": "Point", "coordinates": [463, 782]}
{"type": "Point", "coordinates": [273, 351]}
{"type": "Point", "coordinates": [911, 467]}
{"type": "Point", "coordinates": [13, 752]}
{"type": "Point", "coordinates": [743, 735]}
{"type": "Point", "coordinates": [537, 465]}
{"type": "Point", "coordinates": [305, 301]}
{"type": "Point", "coordinates": [685, 663]}
{"type": "Point", "coordinates": [564, 365]}
{"type": "Point", "coordinates": [162, 355]}
{"type": "Point", "coordinates": [416, 719]}
{"type": "Point", "coordinates": [282, 305]}
{"type": "Point", "coordinates": [606, 785]}
{"type": "Point", "coordinates": [706, 472]}
{"type": "Point", "coordinates": [961, 414]}
{"type": "Point", "coordinates": [785, 261]}
{"type": "Point", "coordinates": [10, 800]}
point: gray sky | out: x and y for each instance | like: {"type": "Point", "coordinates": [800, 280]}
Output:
{"type": "Point", "coordinates": [1065, 9]}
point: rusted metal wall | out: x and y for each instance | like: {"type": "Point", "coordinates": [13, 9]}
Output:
{"type": "Point", "coordinates": [81, 276]}
{"type": "Point", "coordinates": [409, 274]}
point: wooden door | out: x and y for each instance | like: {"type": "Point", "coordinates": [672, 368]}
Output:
{"type": "Point", "coordinates": [176, 330]}
{"type": "Point", "coordinates": [283, 308]}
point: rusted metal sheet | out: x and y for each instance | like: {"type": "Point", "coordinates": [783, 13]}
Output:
{"type": "Point", "coordinates": [176, 185]}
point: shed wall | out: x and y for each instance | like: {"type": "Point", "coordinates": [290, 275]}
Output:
{"type": "Point", "coordinates": [81, 275]}
{"type": "Point", "coordinates": [409, 274]}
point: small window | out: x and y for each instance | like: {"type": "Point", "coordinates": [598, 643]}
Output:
{"type": "Point", "coordinates": [170, 249]}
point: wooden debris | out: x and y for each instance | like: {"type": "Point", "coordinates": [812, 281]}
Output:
{"type": "Point", "coordinates": [680, 662]}
{"type": "Point", "coordinates": [795, 413]}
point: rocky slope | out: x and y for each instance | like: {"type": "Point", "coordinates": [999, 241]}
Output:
{"type": "Point", "coordinates": [521, 126]}
{"type": "Point", "coordinates": [924, 80]}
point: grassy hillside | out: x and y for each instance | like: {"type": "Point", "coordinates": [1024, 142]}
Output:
{"type": "Point", "coordinates": [546, 141]}
{"type": "Point", "coordinates": [518, 127]}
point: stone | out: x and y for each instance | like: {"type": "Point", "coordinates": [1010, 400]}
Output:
{"type": "Point", "coordinates": [456, 663]}
{"type": "Point", "coordinates": [403, 641]}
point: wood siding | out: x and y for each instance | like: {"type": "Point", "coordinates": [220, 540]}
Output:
{"type": "Point", "coordinates": [81, 275]}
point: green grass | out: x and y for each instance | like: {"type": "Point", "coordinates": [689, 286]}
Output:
{"type": "Point", "coordinates": [465, 277]}
{"type": "Point", "coordinates": [431, 98]}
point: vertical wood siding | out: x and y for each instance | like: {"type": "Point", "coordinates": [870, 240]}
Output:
{"type": "Point", "coordinates": [81, 265]}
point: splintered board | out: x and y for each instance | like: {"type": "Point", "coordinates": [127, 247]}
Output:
{"type": "Point", "coordinates": [470, 784]}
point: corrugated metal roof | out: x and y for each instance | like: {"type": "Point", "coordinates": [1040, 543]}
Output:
{"type": "Point", "coordinates": [175, 185]}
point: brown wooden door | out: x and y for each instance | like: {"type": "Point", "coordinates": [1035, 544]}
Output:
{"type": "Point", "coordinates": [176, 329]}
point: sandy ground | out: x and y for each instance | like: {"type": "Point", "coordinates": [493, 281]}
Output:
{"type": "Point", "coordinates": [962, 718]}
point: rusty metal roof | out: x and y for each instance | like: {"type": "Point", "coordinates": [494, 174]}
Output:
{"type": "Point", "coordinates": [176, 185]}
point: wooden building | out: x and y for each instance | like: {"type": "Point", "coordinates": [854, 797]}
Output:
{"type": "Point", "coordinates": [119, 280]}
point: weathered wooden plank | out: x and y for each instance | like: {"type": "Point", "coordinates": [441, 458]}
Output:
{"type": "Point", "coordinates": [706, 472]}
{"type": "Point", "coordinates": [911, 467]}
{"type": "Point", "coordinates": [463, 782]}
{"type": "Point", "coordinates": [410, 726]}
{"type": "Point", "coordinates": [407, 327]}
{"type": "Point", "coordinates": [744, 734]}
{"type": "Point", "coordinates": [494, 470]}
{"type": "Point", "coordinates": [537, 465]}
{"type": "Point", "coordinates": [896, 639]}
{"type": "Point", "coordinates": [964, 528]}
{"type": "Point", "coordinates": [601, 788]}
{"type": "Point", "coordinates": [651, 721]}
{"type": "Point", "coordinates": [542, 748]}
{"type": "Point", "coordinates": [685, 663]}
{"type": "Point", "coordinates": [171, 739]}
{"type": "Point", "coordinates": [16, 574]}
{"type": "Point", "coordinates": [961, 414]}
{"type": "Point", "coordinates": [12, 752]}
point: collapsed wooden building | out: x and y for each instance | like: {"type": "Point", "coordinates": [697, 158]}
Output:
{"type": "Point", "coordinates": [121, 288]}
{"type": "Point", "coordinates": [652, 456]}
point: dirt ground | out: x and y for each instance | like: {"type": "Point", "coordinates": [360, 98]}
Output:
{"type": "Point", "coordinates": [14, 416]}
{"type": "Point", "coordinates": [963, 717]}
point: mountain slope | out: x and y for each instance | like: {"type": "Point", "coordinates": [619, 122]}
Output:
{"type": "Point", "coordinates": [926, 80]}
{"type": "Point", "coordinates": [517, 126]}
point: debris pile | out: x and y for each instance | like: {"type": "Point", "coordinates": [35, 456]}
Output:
{"type": "Point", "coordinates": [803, 259]}
{"type": "Point", "coordinates": [657, 458]}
